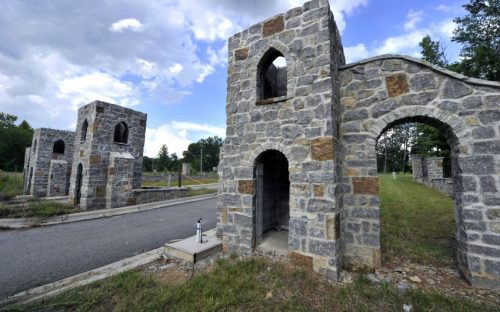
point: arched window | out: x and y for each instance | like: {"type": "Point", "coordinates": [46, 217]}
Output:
{"type": "Point", "coordinates": [58, 147]}
{"type": "Point", "coordinates": [121, 133]}
{"type": "Point", "coordinates": [272, 75]}
{"type": "Point", "coordinates": [83, 134]}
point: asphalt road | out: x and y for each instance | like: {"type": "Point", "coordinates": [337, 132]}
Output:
{"type": "Point", "coordinates": [34, 257]}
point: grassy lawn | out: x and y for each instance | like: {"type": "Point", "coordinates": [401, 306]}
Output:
{"type": "Point", "coordinates": [248, 285]}
{"type": "Point", "coordinates": [11, 184]}
{"type": "Point", "coordinates": [37, 209]}
{"type": "Point", "coordinates": [417, 223]}
{"type": "Point", "coordinates": [185, 182]}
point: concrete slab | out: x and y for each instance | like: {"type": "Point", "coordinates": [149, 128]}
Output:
{"type": "Point", "coordinates": [275, 242]}
{"type": "Point", "coordinates": [191, 251]}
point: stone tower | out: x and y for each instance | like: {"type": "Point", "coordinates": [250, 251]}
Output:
{"type": "Point", "coordinates": [107, 162]}
{"type": "Point", "coordinates": [47, 163]}
{"type": "Point", "coordinates": [279, 169]}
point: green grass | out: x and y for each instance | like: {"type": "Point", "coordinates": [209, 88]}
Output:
{"type": "Point", "coordinates": [185, 182]}
{"type": "Point", "coordinates": [249, 285]}
{"type": "Point", "coordinates": [202, 191]}
{"type": "Point", "coordinates": [417, 222]}
{"type": "Point", "coordinates": [37, 209]}
{"type": "Point", "coordinates": [11, 184]}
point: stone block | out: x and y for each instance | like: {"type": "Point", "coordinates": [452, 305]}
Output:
{"type": "Point", "coordinates": [273, 26]}
{"type": "Point", "coordinates": [397, 84]}
{"type": "Point", "coordinates": [246, 187]}
{"type": "Point", "coordinates": [333, 226]}
{"type": "Point", "coordinates": [493, 214]}
{"type": "Point", "coordinates": [95, 159]}
{"type": "Point", "coordinates": [322, 148]}
{"type": "Point", "coordinates": [301, 260]}
{"type": "Point", "coordinates": [241, 54]}
{"type": "Point", "coordinates": [455, 89]}
{"type": "Point", "coordinates": [100, 191]}
{"type": "Point", "coordinates": [365, 185]}
{"type": "Point", "coordinates": [322, 247]}
{"type": "Point", "coordinates": [319, 190]}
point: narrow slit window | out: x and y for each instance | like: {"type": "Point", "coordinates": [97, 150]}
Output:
{"type": "Point", "coordinates": [83, 134]}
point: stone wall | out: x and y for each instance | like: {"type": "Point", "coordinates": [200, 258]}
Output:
{"type": "Point", "coordinates": [94, 149]}
{"type": "Point", "coordinates": [429, 171]}
{"type": "Point", "coordinates": [381, 92]}
{"type": "Point", "coordinates": [150, 195]}
{"type": "Point", "coordinates": [38, 160]}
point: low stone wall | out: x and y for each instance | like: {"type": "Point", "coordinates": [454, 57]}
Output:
{"type": "Point", "coordinates": [149, 195]}
{"type": "Point", "coordinates": [445, 186]}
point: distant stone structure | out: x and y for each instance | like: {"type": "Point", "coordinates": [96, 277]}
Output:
{"type": "Point", "coordinates": [47, 163]}
{"type": "Point", "coordinates": [299, 153]}
{"type": "Point", "coordinates": [107, 161]}
{"type": "Point", "coordinates": [186, 169]}
{"type": "Point", "coordinates": [429, 171]}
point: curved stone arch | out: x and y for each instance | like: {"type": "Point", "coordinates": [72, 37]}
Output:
{"type": "Point", "coordinates": [456, 124]}
{"type": "Point", "coordinates": [266, 147]}
{"type": "Point", "coordinates": [290, 72]}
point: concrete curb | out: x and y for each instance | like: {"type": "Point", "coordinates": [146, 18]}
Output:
{"type": "Point", "coordinates": [95, 214]}
{"type": "Point", "coordinates": [81, 279]}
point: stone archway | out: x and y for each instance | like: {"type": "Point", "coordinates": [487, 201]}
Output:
{"type": "Point", "coordinates": [381, 92]}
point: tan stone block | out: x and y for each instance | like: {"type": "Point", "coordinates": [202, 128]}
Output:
{"type": "Point", "coordinates": [301, 260]}
{"type": "Point", "coordinates": [99, 109]}
{"type": "Point", "coordinates": [246, 186]}
{"type": "Point", "coordinates": [95, 159]}
{"type": "Point", "coordinates": [493, 214]}
{"type": "Point", "coordinates": [302, 141]}
{"type": "Point", "coordinates": [396, 85]}
{"type": "Point", "coordinates": [350, 172]}
{"type": "Point", "coordinates": [495, 227]}
{"type": "Point", "coordinates": [39, 173]}
{"type": "Point", "coordinates": [472, 121]}
{"type": "Point", "coordinates": [241, 54]}
{"type": "Point", "coordinates": [235, 209]}
{"type": "Point", "coordinates": [111, 170]}
{"type": "Point", "coordinates": [333, 226]}
{"type": "Point", "coordinates": [319, 190]}
{"type": "Point", "coordinates": [273, 26]}
{"type": "Point", "coordinates": [82, 152]}
{"type": "Point", "coordinates": [100, 191]}
{"type": "Point", "coordinates": [365, 185]}
{"type": "Point", "coordinates": [131, 201]}
{"type": "Point", "coordinates": [142, 122]}
{"type": "Point", "coordinates": [319, 263]}
{"type": "Point", "coordinates": [348, 101]}
{"type": "Point", "coordinates": [223, 216]}
{"type": "Point", "coordinates": [322, 148]}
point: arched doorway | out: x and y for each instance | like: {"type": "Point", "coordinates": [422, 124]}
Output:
{"type": "Point", "coordinates": [79, 175]}
{"type": "Point", "coordinates": [417, 222]}
{"type": "Point", "coordinates": [272, 200]}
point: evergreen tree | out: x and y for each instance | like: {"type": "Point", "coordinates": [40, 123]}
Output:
{"type": "Point", "coordinates": [433, 52]}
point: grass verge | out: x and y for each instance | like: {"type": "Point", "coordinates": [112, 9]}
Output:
{"type": "Point", "coordinates": [247, 285]}
{"type": "Point", "coordinates": [417, 222]}
{"type": "Point", "coordinates": [37, 209]}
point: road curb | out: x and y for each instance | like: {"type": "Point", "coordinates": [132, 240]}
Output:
{"type": "Point", "coordinates": [81, 279]}
{"type": "Point", "coordinates": [21, 223]}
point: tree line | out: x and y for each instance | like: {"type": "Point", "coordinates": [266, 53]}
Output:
{"type": "Point", "coordinates": [13, 141]}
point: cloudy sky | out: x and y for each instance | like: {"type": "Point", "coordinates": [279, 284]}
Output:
{"type": "Point", "coordinates": [168, 58]}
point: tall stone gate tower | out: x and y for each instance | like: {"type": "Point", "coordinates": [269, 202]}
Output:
{"type": "Point", "coordinates": [107, 162]}
{"type": "Point", "coordinates": [298, 170]}
{"type": "Point", "coordinates": [280, 167]}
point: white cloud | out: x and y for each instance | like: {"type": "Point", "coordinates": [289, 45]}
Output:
{"type": "Point", "coordinates": [413, 18]}
{"type": "Point", "coordinates": [131, 24]}
{"type": "Point", "coordinates": [175, 69]}
{"type": "Point", "coordinates": [97, 86]}
{"type": "Point", "coordinates": [404, 43]}
{"type": "Point", "coordinates": [356, 52]}
{"type": "Point", "coordinates": [177, 136]}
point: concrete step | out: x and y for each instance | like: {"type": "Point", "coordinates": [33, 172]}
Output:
{"type": "Point", "coordinates": [191, 251]}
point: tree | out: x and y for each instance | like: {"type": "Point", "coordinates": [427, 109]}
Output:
{"type": "Point", "coordinates": [147, 164]}
{"type": "Point", "coordinates": [163, 162]}
{"type": "Point", "coordinates": [13, 141]}
{"type": "Point", "coordinates": [211, 149]}
{"type": "Point", "coordinates": [393, 147]}
{"type": "Point", "coordinates": [479, 33]}
{"type": "Point", "coordinates": [433, 52]}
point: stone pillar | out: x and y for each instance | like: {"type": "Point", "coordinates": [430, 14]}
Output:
{"type": "Point", "coordinates": [416, 165]}
{"type": "Point", "coordinates": [434, 167]}
{"type": "Point", "coordinates": [186, 169]}
{"type": "Point", "coordinates": [120, 178]}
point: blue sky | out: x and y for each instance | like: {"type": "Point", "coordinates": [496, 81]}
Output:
{"type": "Point", "coordinates": [167, 58]}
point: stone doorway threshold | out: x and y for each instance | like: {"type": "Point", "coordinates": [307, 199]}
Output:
{"type": "Point", "coordinates": [275, 242]}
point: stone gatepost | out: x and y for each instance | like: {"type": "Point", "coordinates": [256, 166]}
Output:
{"type": "Point", "coordinates": [434, 167]}
{"type": "Point", "coordinates": [58, 178]}
{"type": "Point", "coordinates": [416, 165]}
